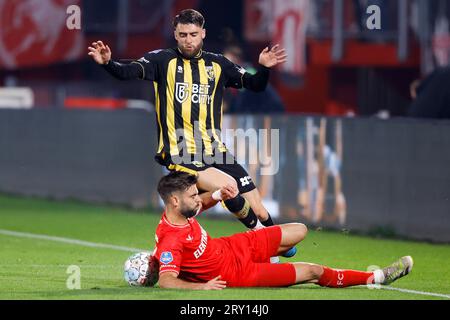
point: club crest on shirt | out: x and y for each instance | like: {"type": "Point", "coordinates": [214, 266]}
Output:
{"type": "Point", "coordinates": [210, 73]}
{"type": "Point", "coordinates": [166, 257]}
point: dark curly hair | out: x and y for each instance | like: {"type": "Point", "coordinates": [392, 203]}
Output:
{"type": "Point", "coordinates": [189, 16]}
{"type": "Point", "coordinates": [175, 182]}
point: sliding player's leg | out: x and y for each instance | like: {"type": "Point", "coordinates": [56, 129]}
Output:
{"type": "Point", "coordinates": [288, 274]}
{"type": "Point", "coordinates": [339, 278]}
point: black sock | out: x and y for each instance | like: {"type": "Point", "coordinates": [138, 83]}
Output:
{"type": "Point", "coordinates": [250, 220]}
{"type": "Point", "coordinates": [242, 210]}
{"type": "Point", "coordinates": [268, 222]}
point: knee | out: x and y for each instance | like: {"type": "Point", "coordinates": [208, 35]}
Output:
{"type": "Point", "coordinates": [214, 183]}
{"type": "Point", "coordinates": [301, 231]}
{"type": "Point", "coordinates": [225, 181]}
{"type": "Point", "coordinates": [231, 183]}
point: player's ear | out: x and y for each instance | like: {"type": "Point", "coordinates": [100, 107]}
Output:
{"type": "Point", "coordinates": [174, 200]}
{"type": "Point", "coordinates": [170, 200]}
{"type": "Point", "coordinates": [203, 34]}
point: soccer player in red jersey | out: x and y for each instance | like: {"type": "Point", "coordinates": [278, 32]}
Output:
{"type": "Point", "coordinates": [190, 259]}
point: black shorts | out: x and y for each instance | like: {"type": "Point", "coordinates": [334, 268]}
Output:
{"type": "Point", "coordinates": [229, 165]}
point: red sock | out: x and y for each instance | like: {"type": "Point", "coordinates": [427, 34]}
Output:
{"type": "Point", "coordinates": [334, 278]}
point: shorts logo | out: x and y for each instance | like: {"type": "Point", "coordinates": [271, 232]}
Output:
{"type": "Point", "coordinates": [166, 257]}
{"type": "Point", "coordinates": [198, 164]}
{"type": "Point", "coordinates": [245, 181]}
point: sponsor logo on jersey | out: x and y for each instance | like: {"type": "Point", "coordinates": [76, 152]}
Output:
{"type": "Point", "coordinates": [203, 243]}
{"type": "Point", "coordinates": [181, 91]}
{"type": "Point", "coordinates": [166, 257]}
{"type": "Point", "coordinates": [199, 93]}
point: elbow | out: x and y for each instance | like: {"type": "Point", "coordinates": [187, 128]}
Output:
{"type": "Point", "coordinates": [164, 284]}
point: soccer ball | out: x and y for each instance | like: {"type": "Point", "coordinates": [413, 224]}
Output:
{"type": "Point", "coordinates": [141, 270]}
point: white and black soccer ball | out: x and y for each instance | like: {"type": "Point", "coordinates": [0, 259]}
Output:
{"type": "Point", "coordinates": [140, 270]}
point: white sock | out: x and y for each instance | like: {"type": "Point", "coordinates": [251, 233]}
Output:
{"type": "Point", "coordinates": [274, 260]}
{"type": "Point", "coordinates": [378, 276]}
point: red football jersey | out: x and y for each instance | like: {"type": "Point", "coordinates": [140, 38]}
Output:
{"type": "Point", "coordinates": [189, 251]}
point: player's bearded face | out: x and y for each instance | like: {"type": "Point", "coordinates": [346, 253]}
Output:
{"type": "Point", "coordinates": [190, 205]}
{"type": "Point", "coordinates": [189, 39]}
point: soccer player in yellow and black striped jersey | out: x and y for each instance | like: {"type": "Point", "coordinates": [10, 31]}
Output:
{"type": "Point", "coordinates": [189, 84]}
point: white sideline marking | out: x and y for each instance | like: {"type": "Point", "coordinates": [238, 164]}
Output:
{"type": "Point", "coordinates": [70, 241]}
{"type": "Point", "coordinates": [417, 292]}
{"type": "Point", "coordinates": [121, 248]}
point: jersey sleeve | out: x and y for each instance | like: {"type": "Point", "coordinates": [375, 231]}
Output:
{"type": "Point", "coordinates": [149, 64]}
{"type": "Point", "coordinates": [233, 73]}
{"type": "Point", "coordinates": [169, 254]}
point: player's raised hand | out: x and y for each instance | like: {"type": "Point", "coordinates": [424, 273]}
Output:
{"type": "Point", "coordinates": [272, 57]}
{"type": "Point", "coordinates": [100, 52]}
{"type": "Point", "coordinates": [215, 284]}
{"type": "Point", "coordinates": [229, 192]}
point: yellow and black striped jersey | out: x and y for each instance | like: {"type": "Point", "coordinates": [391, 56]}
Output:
{"type": "Point", "coordinates": [188, 99]}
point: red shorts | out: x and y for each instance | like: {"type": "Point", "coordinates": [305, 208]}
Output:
{"type": "Point", "coordinates": [252, 268]}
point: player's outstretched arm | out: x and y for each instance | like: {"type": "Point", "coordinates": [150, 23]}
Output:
{"type": "Point", "coordinates": [101, 53]}
{"type": "Point", "coordinates": [169, 280]}
{"type": "Point", "coordinates": [267, 59]}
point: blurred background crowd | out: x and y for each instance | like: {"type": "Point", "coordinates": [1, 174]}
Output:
{"type": "Point", "coordinates": [337, 65]}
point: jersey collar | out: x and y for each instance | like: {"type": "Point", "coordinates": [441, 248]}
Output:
{"type": "Point", "coordinates": [164, 218]}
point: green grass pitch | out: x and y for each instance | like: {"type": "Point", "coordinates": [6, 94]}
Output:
{"type": "Point", "coordinates": [37, 268]}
